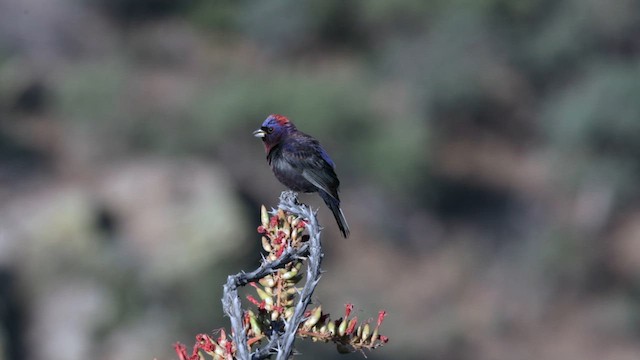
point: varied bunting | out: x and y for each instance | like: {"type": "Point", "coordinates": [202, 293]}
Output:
{"type": "Point", "coordinates": [301, 164]}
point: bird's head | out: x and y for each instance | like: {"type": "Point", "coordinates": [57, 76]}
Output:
{"type": "Point", "coordinates": [274, 128]}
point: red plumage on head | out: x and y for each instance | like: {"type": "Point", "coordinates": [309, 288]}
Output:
{"type": "Point", "coordinates": [282, 120]}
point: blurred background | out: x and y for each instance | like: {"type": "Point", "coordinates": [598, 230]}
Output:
{"type": "Point", "coordinates": [488, 153]}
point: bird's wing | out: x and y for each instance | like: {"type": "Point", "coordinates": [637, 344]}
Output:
{"type": "Point", "coordinates": [316, 179]}
{"type": "Point", "coordinates": [314, 164]}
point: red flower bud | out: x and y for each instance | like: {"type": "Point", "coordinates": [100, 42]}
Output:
{"type": "Point", "coordinates": [205, 343]}
{"type": "Point", "coordinates": [181, 350]}
{"type": "Point", "coordinates": [381, 316]}
{"type": "Point", "coordinates": [352, 325]}
{"type": "Point", "coordinates": [253, 300]}
{"type": "Point", "coordinates": [348, 309]}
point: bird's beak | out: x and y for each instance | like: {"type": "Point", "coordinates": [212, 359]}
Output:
{"type": "Point", "coordinates": [259, 133]}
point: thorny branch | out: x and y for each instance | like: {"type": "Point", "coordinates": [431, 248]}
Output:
{"type": "Point", "coordinates": [281, 344]}
{"type": "Point", "coordinates": [291, 236]}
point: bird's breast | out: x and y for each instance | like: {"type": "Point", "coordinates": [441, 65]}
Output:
{"type": "Point", "coordinates": [290, 176]}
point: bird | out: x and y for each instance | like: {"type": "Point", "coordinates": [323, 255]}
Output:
{"type": "Point", "coordinates": [300, 163]}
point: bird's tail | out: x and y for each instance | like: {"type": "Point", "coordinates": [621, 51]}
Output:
{"type": "Point", "coordinates": [334, 206]}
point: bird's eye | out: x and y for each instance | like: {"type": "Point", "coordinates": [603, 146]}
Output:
{"type": "Point", "coordinates": [269, 129]}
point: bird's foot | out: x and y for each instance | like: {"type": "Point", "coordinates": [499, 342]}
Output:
{"type": "Point", "coordinates": [289, 196]}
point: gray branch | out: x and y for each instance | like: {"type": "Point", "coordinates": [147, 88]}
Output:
{"type": "Point", "coordinates": [280, 344]}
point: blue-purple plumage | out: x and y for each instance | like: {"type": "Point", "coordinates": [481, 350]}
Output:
{"type": "Point", "coordinates": [301, 164]}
